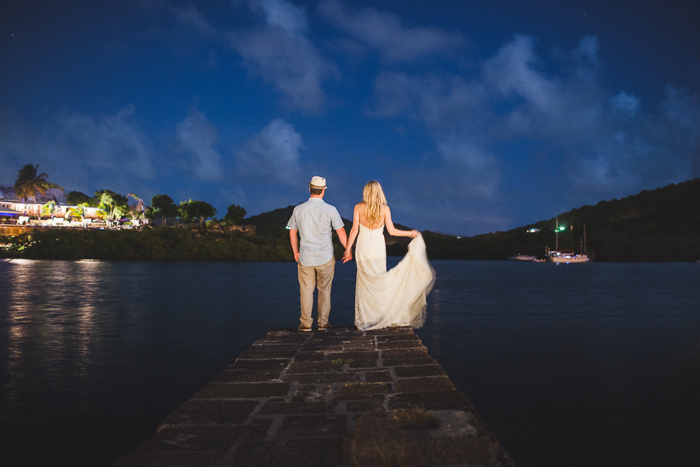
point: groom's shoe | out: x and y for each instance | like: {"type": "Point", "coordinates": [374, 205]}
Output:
{"type": "Point", "coordinates": [304, 328]}
{"type": "Point", "coordinates": [325, 327]}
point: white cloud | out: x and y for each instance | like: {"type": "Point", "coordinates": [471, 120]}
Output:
{"type": "Point", "coordinates": [83, 151]}
{"type": "Point", "coordinates": [512, 74]}
{"type": "Point", "coordinates": [271, 156]}
{"type": "Point", "coordinates": [112, 144]}
{"type": "Point", "coordinates": [385, 32]}
{"type": "Point", "coordinates": [289, 62]}
{"type": "Point", "coordinates": [196, 137]}
{"type": "Point", "coordinates": [627, 104]}
{"type": "Point", "coordinates": [283, 14]}
{"type": "Point", "coordinates": [191, 16]}
{"type": "Point", "coordinates": [276, 50]}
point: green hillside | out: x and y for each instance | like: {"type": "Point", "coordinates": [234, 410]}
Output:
{"type": "Point", "coordinates": [656, 225]}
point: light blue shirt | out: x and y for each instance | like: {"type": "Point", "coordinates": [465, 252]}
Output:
{"type": "Point", "coordinates": [315, 220]}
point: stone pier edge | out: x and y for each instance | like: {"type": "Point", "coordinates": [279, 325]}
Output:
{"type": "Point", "coordinates": [324, 398]}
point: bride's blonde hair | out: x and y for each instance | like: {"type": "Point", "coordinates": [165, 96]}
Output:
{"type": "Point", "coordinates": [374, 201]}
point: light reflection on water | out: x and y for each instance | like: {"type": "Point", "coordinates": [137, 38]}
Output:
{"type": "Point", "coordinates": [568, 365]}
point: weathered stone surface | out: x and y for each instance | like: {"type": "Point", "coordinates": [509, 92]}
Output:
{"type": "Point", "coordinates": [323, 378]}
{"type": "Point", "coordinates": [424, 384]}
{"type": "Point", "coordinates": [241, 390]}
{"type": "Point", "coordinates": [418, 370]}
{"type": "Point", "coordinates": [248, 375]}
{"type": "Point", "coordinates": [322, 398]}
{"type": "Point", "coordinates": [211, 411]}
{"type": "Point", "coordinates": [431, 400]}
{"type": "Point", "coordinates": [378, 440]}
{"type": "Point", "coordinates": [262, 363]}
{"type": "Point", "coordinates": [361, 390]}
{"type": "Point", "coordinates": [322, 366]}
{"type": "Point", "coordinates": [294, 426]}
{"type": "Point", "coordinates": [310, 452]}
{"type": "Point", "coordinates": [376, 376]}
{"type": "Point", "coordinates": [281, 407]}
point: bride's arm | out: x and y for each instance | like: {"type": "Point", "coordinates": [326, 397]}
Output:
{"type": "Point", "coordinates": [393, 230]}
{"type": "Point", "coordinates": [353, 233]}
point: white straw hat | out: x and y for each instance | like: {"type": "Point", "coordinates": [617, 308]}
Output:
{"type": "Point", "coordinates": [318, 182]}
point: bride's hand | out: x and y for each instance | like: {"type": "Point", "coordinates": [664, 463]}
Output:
{"type": "Point", "coordinates": [414, 233]}
{"type": "Point", "coordinates": [347, 256]}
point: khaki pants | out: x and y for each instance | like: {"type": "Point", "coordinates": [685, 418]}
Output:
{"type": "Point", "coordinates": [316, 277]}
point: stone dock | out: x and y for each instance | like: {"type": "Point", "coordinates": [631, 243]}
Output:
{"type": "Point", "coordinates": [340, 397]}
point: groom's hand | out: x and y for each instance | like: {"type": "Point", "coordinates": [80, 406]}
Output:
{"type": "Point", "coordinates": [347, 256]}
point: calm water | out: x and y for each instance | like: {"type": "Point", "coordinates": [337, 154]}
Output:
{"type": "Point", "coordinates": [579, 365]}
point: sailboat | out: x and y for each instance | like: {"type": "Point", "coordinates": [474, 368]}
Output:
{"type": "Point", "coordinates": [567, 256]}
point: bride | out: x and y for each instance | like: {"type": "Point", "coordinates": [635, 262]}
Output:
{"type": "Point", "coordinates": [386, 298]}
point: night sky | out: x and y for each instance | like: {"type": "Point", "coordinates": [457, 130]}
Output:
{"type": "Point", "coordinates": [475, 115]}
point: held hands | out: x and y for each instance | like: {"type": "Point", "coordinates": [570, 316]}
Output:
{"type": "Point", "coordinates": [347, 256]}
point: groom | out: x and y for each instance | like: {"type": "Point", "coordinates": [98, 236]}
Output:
{"type": "Point", "coordinates": [314, 221]}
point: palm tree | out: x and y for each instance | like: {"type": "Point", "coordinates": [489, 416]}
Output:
{"type": "Point", "coordinates": [29, 182]}
{"type": "Point", "coordinates": [137, 210]}
{"type": "Point", "coordinates": [79, 212]}
{"type": "Point", "coordinates": [111, 206]}
{"type": "Point", "coordinates": [48, 209]}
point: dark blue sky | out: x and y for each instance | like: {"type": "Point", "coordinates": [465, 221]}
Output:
{"type": "Point", "coordinates": [476, 116]}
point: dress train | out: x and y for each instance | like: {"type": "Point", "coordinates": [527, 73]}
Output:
{"type": "Point", "coordinates": [396, 297]}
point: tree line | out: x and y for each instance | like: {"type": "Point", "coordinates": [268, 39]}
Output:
{"type": "Point", "coordinates": [114, 207]}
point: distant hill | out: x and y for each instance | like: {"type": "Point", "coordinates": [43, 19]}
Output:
{"type": "Point", "coordinates": [657, 225]}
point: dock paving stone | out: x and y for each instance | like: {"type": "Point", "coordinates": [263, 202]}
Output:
{"type": "Point", "coordinates": [425, 384]}
{"type": "Point", "coordinates": [313, 393]}
{"type": "Point", "coordinates": [394, 344]}
{"type": "Point", "coordinates": [310, 356]}
{"type": "Point", "coordinates": [437, 400]}
{"type": "Point", "coordinates": [149, 456]}
{"type": "Point", "coordinates": [376, 376]}
{"type": "Point", "coordinates": [294, 399]}
{"type": "Point", "coordinates": [418, 370]}
{"type": "Point", "coordinates": [211, 411]}
{"type": "Point", "coordinates": [262, 353]}
{"type": "Point", "coordinates": [317, 366]}
{"type": "Point", "coordinates": [261, 363]}
{"type": "Point", "coordinates": [241, 390]}
{"type": "Point", "coordinates": [248, 375]}
{"type": "Point", "coordinates": [206, 437]}
{"type": "Point", "coordinates": [312, 426]}
{"type": "Point", "coordinates": [323, 378]}
{"type": "Point", "coordinates": [322, 347]}
{"type": "Point", "coordinates": [416, 352]}
{"type": "Point", "coordinates": [308, 452]}
{"type": "Point", "coordinates": [359, 406]}
{"type": "Point", "coordinates": [409, 361]}
{"type": "Point", "coordinates": [282, 407]}
{"type": "Point", "coordinates": [354, 355]}
{"type": "Point", "coordinates": [361, 390]}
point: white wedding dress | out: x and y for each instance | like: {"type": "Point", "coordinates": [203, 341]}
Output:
{"type": "Point", "coordinates": [390, 298]}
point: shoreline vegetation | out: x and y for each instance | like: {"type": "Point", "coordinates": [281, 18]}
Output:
{"type": "Point", "coordinates": [654, 226]}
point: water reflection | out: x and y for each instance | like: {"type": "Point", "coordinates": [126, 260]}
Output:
{"type": "Point", "coordinates": [51, 321]}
